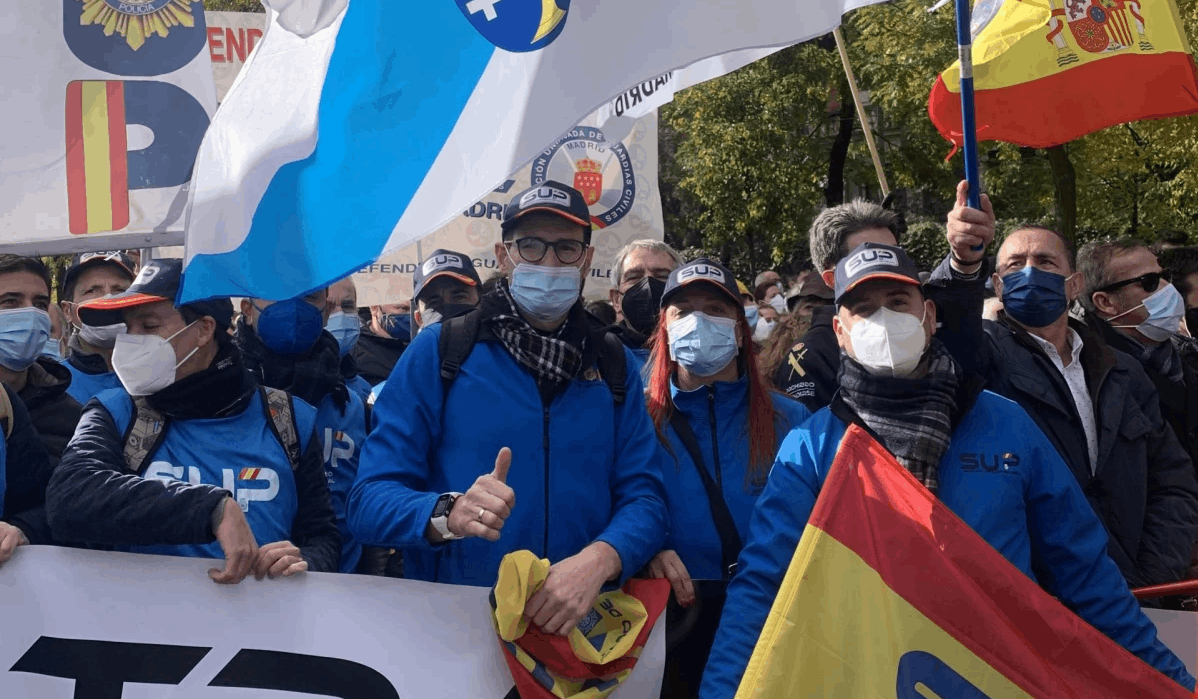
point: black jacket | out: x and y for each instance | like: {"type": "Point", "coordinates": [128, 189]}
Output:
{"type": "Point", "coordinates": [809, 371]}
{"type": "Point", "coordinates": [1143, 486]}
{"type": "Point", "coordinates": [377, 356]}
{"type": "Point", "coordinates": [54, 413]}
{"type": "Point", "coordinates": [92, 498]}
{"type": "Point", "coordinates": [27, 470]}
{"type": "Point", "coordinates": [1178, 399]}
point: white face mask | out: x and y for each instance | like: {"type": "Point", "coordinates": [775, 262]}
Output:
{"type": "Point", "coordinates": [1165, 309]}
{"type": "Point", "coordinates": [427, 318]}
{"type": "Point", "coordinates": [146, 364]}
{"type": "Point", "coordinates": [101, 336]}
{"type": "Point", "coordinates": [779, 304]}
{"type": "Point", "coordinates": [889, 343]}
{"type": "Point", "coordinates": [763, 329]}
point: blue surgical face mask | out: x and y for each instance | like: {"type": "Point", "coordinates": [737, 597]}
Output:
{"type": "Point", "coordinates": [545, 293]}
{"type": "Point", "coordinates": [397, 325]}
{"type": "Point", "coordinates": [53, 349]}
{"type": "Point", "coordinates": [289, 327]}
{"type": "Point", "coordinates": [703, 344]}
{"type": "Point", "coordinates": [345, 328]}
{"type": "Point", "coordinates": [751, 315]}
{"type": "Point", "coordinates": [1165, 309]}
{"type": "Point", "coordinates": [1034, 297]}
{"type": "Point", "coordinates": [23, 335]}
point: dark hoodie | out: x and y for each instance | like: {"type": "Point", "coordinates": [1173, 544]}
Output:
{"type": "Point", "coordinates": [54, 413]}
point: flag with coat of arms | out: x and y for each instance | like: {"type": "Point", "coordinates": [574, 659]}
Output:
{"type": "Point", "coordinates": [358, 126]}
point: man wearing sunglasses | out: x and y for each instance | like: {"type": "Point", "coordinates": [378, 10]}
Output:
{"type": "Point", "coordinates": [533, 445]}
{"type": "Point", "coordinates": [1130, 302]}
{"type": "Point", "coordinates": [1094, 403]}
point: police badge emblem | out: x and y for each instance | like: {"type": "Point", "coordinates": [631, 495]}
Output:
{"type": "Point", "coordinates": [137, 20]}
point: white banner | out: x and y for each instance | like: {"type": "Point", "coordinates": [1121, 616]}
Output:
{"type": "Point", "coordinates": [231, 38]}
{"type": "Point", "coordinates": [617, 172]}
{"type": "Point", "coordinates": [126, 626]}
{"type": "Point", "coordinates": [105, 105]}
{"type": "Point", "coordinates": [1179, 631]}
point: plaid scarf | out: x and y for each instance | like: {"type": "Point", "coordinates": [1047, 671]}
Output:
{"type": "Point", "coordinates": [911, 416]}
{"type": "Point", "coordinates": [554, 358]}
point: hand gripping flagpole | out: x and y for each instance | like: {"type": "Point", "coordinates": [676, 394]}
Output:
{"type": "Point", "coordinates": [969, 130]}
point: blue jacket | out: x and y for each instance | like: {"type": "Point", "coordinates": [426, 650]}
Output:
{"type": "Point", "coordinates": [583, 469]}
{"type": "Point", "coordinates": [85, 386]}
{"type": "Point", "coordinates": [360, 386]}
{"type": "Point", "coordinates": [341, 437]}
{"type": "Point", "coordinates": [719, 417]}
{"type": "Point", "coordinates": [1032, 512]}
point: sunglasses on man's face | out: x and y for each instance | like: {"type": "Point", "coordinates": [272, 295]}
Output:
{"type": "Point", "coordinates": [1148, 282]}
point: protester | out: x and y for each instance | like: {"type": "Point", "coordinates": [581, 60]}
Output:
{"type": "Point", "coordinates": [749, 302]}
{"type": "Point", "coordinates": [834, 232]}
{"type": "Point", "coordinates": [720, 421]}
{"type": "Point", "coordinates": [142, 471]}
{"type": "Point", "coordinates": [902, 386]}
{"type": "Point", "coordinates": [90, 276]}
{"type": "Point", "coordinates": [1095, 404]}
{"type": "Point", "coordinates": [807, 295]}
{"type": "Point", "coordinates": [641, 270]}
{"type": "Point", "coordinates": [284, 345]}
{"type": "Point", "coordinates": [386, 332]}
{"type": "Point", "coordinates": [770, 293]}
{"type": "Point", "coordinates": [767, 318]}
{"type": "Point", "coordinates": [39, 381]}
{"type": "Point", "coordinates": [1182, 264]}
{"type": "Point", "coordinates": [1132, 306]}
{"type": "Point", "coordinates": [451, 448]}
{"type": "Point", "coordinates": [782, 352]}
{"type": "Point", "coordinates": [767, 277]}
{"type": "Point", "coordinates": [444, 286]}
{"type": "Point", "coordinates": [24, 473]}
{"type": "Point", "coordinates": [345, 327]}
{"type": "Point", "coordinates": [54, 346]}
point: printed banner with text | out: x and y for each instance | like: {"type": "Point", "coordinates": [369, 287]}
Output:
{"type": "Point", "coordinates": [91, 624]}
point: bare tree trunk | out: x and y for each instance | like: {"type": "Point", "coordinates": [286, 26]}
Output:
{"type": "Point", "coordinates": [834, 191]}
{"type": "Point", "coordinates": [1065, 179]}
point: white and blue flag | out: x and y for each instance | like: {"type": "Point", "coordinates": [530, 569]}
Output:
{"type": "Point", "coordinates": [357, 128]}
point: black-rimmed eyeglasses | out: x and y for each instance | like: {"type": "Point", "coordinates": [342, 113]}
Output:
{"type": "Point", "coordinates": [533, 249]}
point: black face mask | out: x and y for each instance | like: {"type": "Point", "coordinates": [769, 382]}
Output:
{"type": "Point", "coordinates": [641, 304]}
{"type": "Point", "coordinates": [1192, 321]}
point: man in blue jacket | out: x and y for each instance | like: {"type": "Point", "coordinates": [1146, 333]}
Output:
{"type": "Point", "coordinates": [531, 400]}
{"type": "Point", "coordinates": [911, 395]}
{"type": "Point", "coordinates": [91, 276]}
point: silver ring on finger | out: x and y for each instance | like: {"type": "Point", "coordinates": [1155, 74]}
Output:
{"type": "Point", "coordinates": [481, 511]}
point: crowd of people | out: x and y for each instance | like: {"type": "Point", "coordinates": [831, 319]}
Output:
{"type": "Point", "coordinates": [680, 430]}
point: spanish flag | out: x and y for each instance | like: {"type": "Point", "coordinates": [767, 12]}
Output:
{"type": "Point", "coordinates": [890, 595]}
{"type": "Point", "coordinates": [1049, 71]}
{"type": "Point", "coordinates": [97, 157]}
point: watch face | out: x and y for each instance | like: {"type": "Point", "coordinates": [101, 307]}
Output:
{"type": "Point", "coordinates": [442, 507]}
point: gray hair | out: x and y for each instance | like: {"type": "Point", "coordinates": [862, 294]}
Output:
{"type": "Point", "coordinates": [642, 244]}
{"type": "Point", "coordinates": [833, 226]}
{"type": "Point", "coordinates": [1094, 261]}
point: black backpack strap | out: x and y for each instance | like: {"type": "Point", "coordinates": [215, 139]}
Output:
{"type": "Point", "coordinates": [145, 433]}
{"type": "Point", "coordinates": [724, 525]}
{"type": "Point", "coordinates": [613, 365]}
{"type": "Point", "coordinates": [280, 415]}
{"type": "Point", "coordinates": [458, 335]}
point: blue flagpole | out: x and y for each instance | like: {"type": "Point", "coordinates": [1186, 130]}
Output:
{"type": "Point", "coordinates": [969, 131]}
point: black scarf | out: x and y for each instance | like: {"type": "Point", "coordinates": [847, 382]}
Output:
{"type": "Point", "coordinates": [630, 336]}
{"type": "Point", "coordinates": [911, 416]}
{"type": "Point", "coordinates": [554, 358]}
{"type": "Point", "coordinates": [309, 376]}
{"type": "Point", "coordinates": [223, 389]}
{"type": "Point", "coordinates": [349, 367]}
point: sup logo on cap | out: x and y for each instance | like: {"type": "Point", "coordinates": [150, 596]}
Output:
{"type": "Point", "coordinates": [540, 195]}
{"type": "Point", "coordinates": [438, 261]}
{"type": "Point", "coordinates": [711, 272]}
{"type": "Point", "coordinates": [870, 257]}
{"type": "Point", "coordinates": [146, 274]}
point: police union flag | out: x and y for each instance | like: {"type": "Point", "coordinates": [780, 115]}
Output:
{"type": "Point", "coordinates": [890, 596]}
{"type": "Point", "coordinates": [340, 142]}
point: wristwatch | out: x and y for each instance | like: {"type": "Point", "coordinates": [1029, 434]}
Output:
{"type": "Point", "coordinates": [440, 518]}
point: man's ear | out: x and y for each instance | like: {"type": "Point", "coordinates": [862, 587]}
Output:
{"type": "Point", "coordinates": [829, 277]}
{"type": "Point", "coordinates": [996, 282]}
{"type": "Point", "coordinates": [1104, 303]}
{"type": "Point", "coordinates": [1074, 285]}
{"type": "Point", "coordinates": [503, 259]}
{"type": "Point", "coordinates": [929, 307]}
{"type": "Point", "coordinates": [842, 334]}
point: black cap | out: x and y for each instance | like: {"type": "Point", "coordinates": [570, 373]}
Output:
{"type": "Point", "coordinates": [812, 285]}
{"type": "Point", "coordinates": [86, 260]}
{"type": "Point", "coordinates": [874, 261]}
{"type": "Point", "coordinates": [702, 271]}
{"type": "Point", "coordinates": [444, 263]}
{"type": "Point", "coordinates": [157, 281]}
{"type": "Point", "coordinates": [551, 196]}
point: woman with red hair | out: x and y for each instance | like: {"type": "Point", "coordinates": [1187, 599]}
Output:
{"type": "Point", "coordinates": [722, 423]}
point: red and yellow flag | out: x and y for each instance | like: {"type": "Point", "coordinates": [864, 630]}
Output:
{"type": "Point", "coordinates": [97, 164]}
{"type": "Point", "coordinates": [1049, 71]}
{"type": "Point", "coordinates": [890, 595]}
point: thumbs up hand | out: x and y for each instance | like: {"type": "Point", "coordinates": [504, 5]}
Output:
{"type": "Point", "coordinates": [483, 509]}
